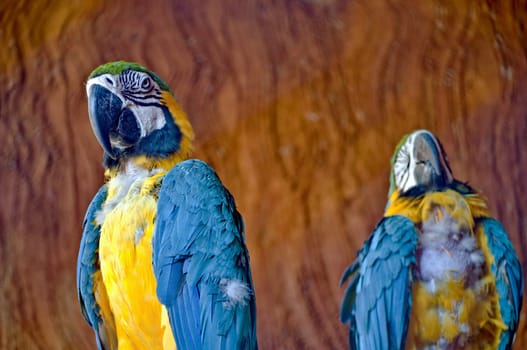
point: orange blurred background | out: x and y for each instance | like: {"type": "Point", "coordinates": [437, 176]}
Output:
{"type": "Point", "coordinates": [298, 105]}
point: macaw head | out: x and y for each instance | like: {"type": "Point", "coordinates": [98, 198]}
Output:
{"type": "Point", "coordinates": [419, 162]}
{"type": "Point", "coordinates": [135, 116]}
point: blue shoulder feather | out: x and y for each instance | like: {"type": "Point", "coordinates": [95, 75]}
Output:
{"type": "Point", "coordinates": [87, 265]}
{"type": "Point", "coordinates": [198, 253]}
{"type": "Point", "coordinates": [507, 271]}
{"type": "Point", "coordinates": [378, 299]}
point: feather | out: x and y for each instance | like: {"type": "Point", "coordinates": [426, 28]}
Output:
{"type": "Point", "coordinates": [87, 271]}
{"type": "Point", "coordinates": [197, 245]}
{"type": "Point", "coordinates": [506, 269]}
{"type": "Point", "coordinates": [377, 301]}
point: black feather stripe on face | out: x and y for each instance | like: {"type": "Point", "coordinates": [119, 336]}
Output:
{"type": "Point", "coordinates": [139, 88]}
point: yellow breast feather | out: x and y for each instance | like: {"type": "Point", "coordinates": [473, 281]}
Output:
{"type": "Point", "coordinates": [126, 265]}
{"type": "Point", "coordinates": [450, 310]}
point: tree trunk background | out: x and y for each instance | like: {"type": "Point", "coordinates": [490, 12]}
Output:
{"type": "Point", "coordinates": [298, 105]}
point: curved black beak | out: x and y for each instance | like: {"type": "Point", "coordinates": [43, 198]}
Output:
{"type": "Point", "coordinates": [431, 166]}
{"type": "Point", "coordinates": [104, 108]}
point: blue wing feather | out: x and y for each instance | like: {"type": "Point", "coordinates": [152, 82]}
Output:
{"type": "Point", "coordinates": [184, 317]}
{"type": "Point", "coordinates": [87, 265]}
{"type": "Point", "coordinates": [378, 299]}
{"type": "Point", "coordinates": [507, 271]}
{"type": "Point", "coordinates": [198, 245]}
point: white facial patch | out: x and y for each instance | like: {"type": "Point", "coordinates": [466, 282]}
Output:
{"type": "Point", "coordinates": [405, 166]}
{"type": "Point", "coordinates": [236, 291]}
{"type": "Point", "coordinates": [150, 118]}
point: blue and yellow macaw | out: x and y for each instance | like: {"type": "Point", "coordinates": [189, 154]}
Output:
{"type": "Point", "coordinates": [437, 272]}
{"type": "Point", "coordinates": [162, 259]}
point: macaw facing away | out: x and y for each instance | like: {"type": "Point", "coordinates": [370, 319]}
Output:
{"type": "Point", "coordinates": [437, 272]}
{"type": "Point", "coordinates": [162, 259]}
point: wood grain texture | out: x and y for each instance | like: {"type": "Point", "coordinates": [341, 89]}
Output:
{"type": "Point", "coordinates": [298, 106]}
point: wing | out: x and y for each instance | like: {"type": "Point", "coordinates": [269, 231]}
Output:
{"type": "Point", "coordinates": [89, 283]}
{"type": "Point", "coordinates": [377, 302]}
{"type": "Point", "coordinates": [509, 278]}
{"type": "Point", "coordinates": [201, 262]}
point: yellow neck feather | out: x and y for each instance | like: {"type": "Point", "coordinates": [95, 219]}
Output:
{"type": "Point", "coordinates": [412, 207]}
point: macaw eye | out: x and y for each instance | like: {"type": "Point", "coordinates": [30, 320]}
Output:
{"type": "Point", "coordinates": [146, 84]}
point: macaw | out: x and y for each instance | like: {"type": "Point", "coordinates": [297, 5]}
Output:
{"type": "Point", "coordinates": [437, 272]}
{"type": "Point", "coordinates": [162, 259]}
